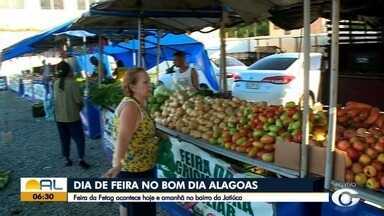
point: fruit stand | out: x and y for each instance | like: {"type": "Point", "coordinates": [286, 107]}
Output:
{"type": "Point", "coordinates": [342, 143]}
{"type": "Point", "coordinates": [236, 140]}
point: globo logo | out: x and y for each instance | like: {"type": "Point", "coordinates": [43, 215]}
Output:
{"type": "Point", "coordinates": [345, 197]}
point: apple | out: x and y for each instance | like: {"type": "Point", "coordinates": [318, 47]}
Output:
{"type": "Point", "coordinates": [269, 147]}
{"type": "Point", "coordinates": [381, 140]}
{"type": "Point", "coordinates": [379, 147]}
{"type": "Point", "coordinates": [252, 153]}
{"type": "Point", "coordinates": [378, 165]}
{"type": "Point", "coordinates": [353, 154]}
{"type": "Point", "coordinates": [343, 145]}
{"type": "Point", "coordinates": [359, 146]}
{"type": "Point", "coordinates": [357, 168]}
{"type": "Point", "coordinates": [349, 176]}
{"type": "Point", "coordinates": [372, 153]}
{"type": "Point", "coordinates": [365, 159]}
{"type": "Point", "coordinates": [354, 139]}
{"type": "Point", "coordinates": [260, 153]}
{"type": "Point", "coordinates": [348, 162]}
{"type": "Point", "coordinates": [349, 133]}
{"type": "Point", "coordinates": [257, 144]}
{"type": "Point", "coordinates": [233, 147]}
{"type": "Point", "coordinates": [382, 181]}
{"type": "Point", "coordinates": [370, 171]}
{"type": "Point", "coordinates": [360, 179]}
{"type": "Point", "coordinates": [373, 183]}
{"type": "Point", "coordinates": [370, 140]}
{"type": "Point", "coordinates": [381, 157]}
{"type": "Point", "coordinates": [267, 157]}
{"type": "Point", "coordinates": [362, 132]}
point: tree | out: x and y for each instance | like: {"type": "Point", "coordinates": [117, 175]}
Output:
{"type": "Point", "coordinates": [256, 29]}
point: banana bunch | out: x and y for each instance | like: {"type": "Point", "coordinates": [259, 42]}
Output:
{"type": "Point", "coordinates": [4, 178]}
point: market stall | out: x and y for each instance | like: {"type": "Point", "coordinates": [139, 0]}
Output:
{"type": "Point", "coordinates": [338, 161]}
{"type": "Point", "coordinates": [286, 140]}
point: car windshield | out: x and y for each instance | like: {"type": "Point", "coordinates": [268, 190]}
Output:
{"type": "Point", "coordinates": [230, 62]}
{"type": "Point", "coordinates": [272, 64]}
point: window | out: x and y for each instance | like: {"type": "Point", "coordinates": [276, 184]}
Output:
{"type": "Point", "coordinates": [84, 4]}
{"type": "Point", "coordinates": [52, 4]}
{"type": "Point", "coordinates": [81, 4]}
{"type": "Point", "coordinates": [92, 1]}
{"type": "Point", "coordinates": [230, 62]}
{"type": "Point", "coordinates": [12, 4]}
{"type": "Point", "coordinates": [58, 4]}
{"type": "Point", "coordinates": [233, 62]}
{"type": "Point", "coordinates": [272, 64]}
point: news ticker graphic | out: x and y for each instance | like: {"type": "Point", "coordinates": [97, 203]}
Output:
{"type": "Point", "coordinates": [43, 189]}
{"type": "Point", "coordinates": [176, 190]}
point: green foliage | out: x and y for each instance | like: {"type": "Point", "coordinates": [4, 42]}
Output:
{"type": "Point", "coordinates": [256, 29]}
{"type": "Point", "coordinates": [107, 95]}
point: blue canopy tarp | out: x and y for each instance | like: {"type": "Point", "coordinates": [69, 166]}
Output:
{"type": "Point", "coordinates": [169, 44]}
{"type": "Point", "coordinates": [26, 46]}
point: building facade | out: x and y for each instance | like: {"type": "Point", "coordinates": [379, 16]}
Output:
{"type": "Point", "coordinates": [23, 18]}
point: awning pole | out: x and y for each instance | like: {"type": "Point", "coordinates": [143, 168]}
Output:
{"type": "Point", "coordinates": [305, 126]}
{"type": "Point", "coordinates": [333, 94]}
{"type": "Point", "coordinates": [100, 65]}
{"type": "Point", "coordinates": [223, 71]}
{"type": "Point", "coordinates": [139, 51]}
{"type": "Point", "coordinates": [84, 73]}
{"type": "Point", "coordinates": [158, 53]}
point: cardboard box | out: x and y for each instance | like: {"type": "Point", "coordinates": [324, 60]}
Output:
{"type": "Point", "coordinates": [288, 155]}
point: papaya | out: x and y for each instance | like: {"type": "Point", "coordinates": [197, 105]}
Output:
{"type": "Point", "coordinates": [373, 116]}
{"type": "Point", "coordinates": [380, 122]}
{"type": "Point", "coordinates": [357, 105]}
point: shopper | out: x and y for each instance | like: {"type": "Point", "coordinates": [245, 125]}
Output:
{"type": "Point", "coordinates": [119, 71]}
{"type": "Point", "coordinates": [95, 62]}
{"type": "Point", "coordinates": [68, 103]}
{"type": "Point", "coordinates": [185, 76]}
{"type": "Point", "coordinates": [136, 149]}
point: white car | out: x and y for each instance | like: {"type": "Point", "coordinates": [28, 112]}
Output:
{"type": "Point", "coordinates": [233, 66]}
{"type": "Point", "coordinates": [278, 79]}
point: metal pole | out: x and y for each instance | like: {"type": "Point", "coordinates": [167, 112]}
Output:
{"type": "Point", "coordinates": [333, 94]}
{"type": "Point", "coordinates": [223, 71]}
{"type": "Point", "coordinates": [84, 73]}
{"type": "Point", "coordinates": [139, 51]}
{"type": "Point", "coordinates": [100, 65]}
{"type": "Point", "coordinates": [158, 53]}
{"type": "Point", "coordinates": [305, 126]}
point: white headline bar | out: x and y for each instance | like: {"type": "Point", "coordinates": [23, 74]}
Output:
{"type": "Point", "coordinates": [199, 197]}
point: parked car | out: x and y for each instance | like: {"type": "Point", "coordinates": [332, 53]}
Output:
{"type": "Point", "coordinates": [278, 79]}
{"type": "Point", "coordinates": [234, 67]}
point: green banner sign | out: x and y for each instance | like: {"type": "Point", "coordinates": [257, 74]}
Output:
{"type": "Point", "coordinates": [179, 159]}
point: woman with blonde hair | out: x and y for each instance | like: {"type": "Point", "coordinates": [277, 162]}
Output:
{"type": "Point", "coordinates": [136, 149]}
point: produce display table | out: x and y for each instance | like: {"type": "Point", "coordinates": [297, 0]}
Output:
{"type": "Point", "coordinates": [90, 117]}
{"type": "Point", "coordinates": [3, 83]}
{"type": "Point", "coordinates": [39, 90]}
{"type": "Point", "coordinates": [231, 154]}
{"type": "Point", "coordinates": [15, 85]}
{"type": "Point", "coordinates": [28, 89]}
{"type": "Point", "coordinates": [174, 161]}
{"type": "Point", "coordinates": [107, 131]}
